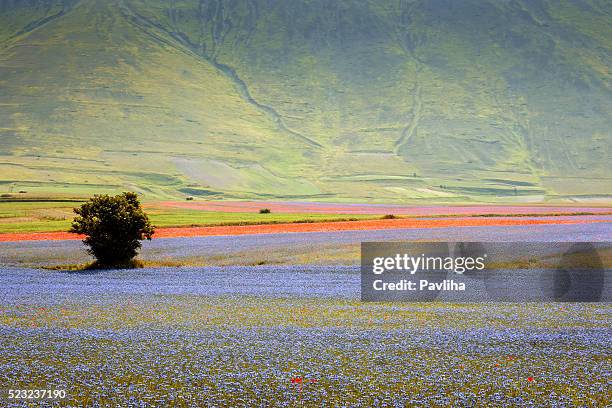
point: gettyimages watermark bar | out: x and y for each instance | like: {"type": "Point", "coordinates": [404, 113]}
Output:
{"type": "Point", "coordinates": [486, 271]}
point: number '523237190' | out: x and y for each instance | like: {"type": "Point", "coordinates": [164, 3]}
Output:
{"type": "Point", "coordinates": [36, 394]}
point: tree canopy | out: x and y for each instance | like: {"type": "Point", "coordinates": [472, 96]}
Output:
{"type": "Point", "coordinates": [114, 227]}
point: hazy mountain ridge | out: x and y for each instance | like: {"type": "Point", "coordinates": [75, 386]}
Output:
{"type": "Point", "coordinates": [347, 99]}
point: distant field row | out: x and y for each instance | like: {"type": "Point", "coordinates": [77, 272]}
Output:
{"type": "Point", "coordinates": [16, 217]}
{"type": "Point", "coordinates": [53, 216]}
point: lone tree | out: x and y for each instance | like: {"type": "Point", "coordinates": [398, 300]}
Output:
{"type": "Point", "coordinates": [114, 227]}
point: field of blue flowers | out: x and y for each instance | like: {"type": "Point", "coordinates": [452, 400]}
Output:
{"type": "Point", "coordinates": [288, 336]}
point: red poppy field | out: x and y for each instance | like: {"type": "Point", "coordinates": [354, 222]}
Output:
{"type": "Point", "coordinates": [350, 208]}
{"type": "Point", "coordinates": [379, 224]}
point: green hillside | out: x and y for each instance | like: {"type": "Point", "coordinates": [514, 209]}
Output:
{"type": "Point", "coordinates": [437, 100]}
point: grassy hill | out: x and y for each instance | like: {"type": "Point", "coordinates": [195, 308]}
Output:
{"type": "Point", "coordinates": [438, 100]}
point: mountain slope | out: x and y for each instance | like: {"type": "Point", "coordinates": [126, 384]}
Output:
{"type": "Point", "coordinates": [392, 100]}
{"type": "Point", "coordinates": [92, 102]}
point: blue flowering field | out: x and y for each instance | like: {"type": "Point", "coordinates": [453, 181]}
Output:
{"type": "Point", "coordinates": [289, 336]}
{"type": "Point", "coordinates": [291, 332]}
